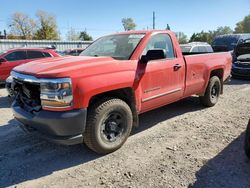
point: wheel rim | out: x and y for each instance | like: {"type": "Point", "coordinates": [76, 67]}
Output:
{"type": "Point", "coordinates": [215, 91]}
{"type": "Point", "coordinates": [113, 127]}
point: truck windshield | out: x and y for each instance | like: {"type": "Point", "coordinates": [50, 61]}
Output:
{"type": "Point", "coordinates": [119, 46]}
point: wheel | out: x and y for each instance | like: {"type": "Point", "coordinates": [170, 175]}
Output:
{"type": "Point", "coordinates": [108, 126]}
{"type": "Point", "coordinates": [247, 140]}
{"type": "Point", "coordinates": [212, 92]}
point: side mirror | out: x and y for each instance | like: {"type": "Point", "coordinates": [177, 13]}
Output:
{"type": "Point", "coordinates": [2, 60]}
{"type": "Point", "coordinates": [153, 55]}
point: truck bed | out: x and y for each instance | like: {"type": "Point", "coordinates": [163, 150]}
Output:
{"type": "Point", "coordinates": [198, 68]}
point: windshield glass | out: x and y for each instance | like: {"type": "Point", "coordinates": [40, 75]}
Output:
{"type": "Point", "coordinates": [1, 53]}
{"type": "Point", "coordinates": [186, 48]}
{"type": "Point", "coordinates": [228, 41]}
{"type": "Point", "coordinates": [116, 46]}
{"type": "Point", "coordinates": [243, 48]}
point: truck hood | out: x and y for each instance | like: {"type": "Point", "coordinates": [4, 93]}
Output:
{"type": "Point", "coordinates": [69, 66]}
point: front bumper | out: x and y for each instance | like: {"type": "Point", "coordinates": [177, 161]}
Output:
{"type": "Point", "coordinates": [239, 71]}
{"type": "Point", "coordinates": [59, 127]}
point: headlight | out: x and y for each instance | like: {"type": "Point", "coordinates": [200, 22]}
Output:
{"type": "Point", "coordinates": [9, 79]}
{"type": "Point", "coordinates": [56, 93]}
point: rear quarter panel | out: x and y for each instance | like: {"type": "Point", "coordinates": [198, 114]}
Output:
{"type": "Point", "coordinates": [199, 68]}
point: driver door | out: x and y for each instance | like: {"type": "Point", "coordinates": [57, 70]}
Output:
{"type": "Point", "coordinates": [162, 80]}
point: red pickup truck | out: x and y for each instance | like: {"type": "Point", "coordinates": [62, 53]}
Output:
{"type": "Point", "coordinates": [96, 98]}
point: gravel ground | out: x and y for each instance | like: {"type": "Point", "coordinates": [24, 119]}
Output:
{"type": "Point", "coordinates": [180, 145]}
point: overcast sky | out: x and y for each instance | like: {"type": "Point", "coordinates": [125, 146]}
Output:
{"type": "Point", "coordinates": [104, 17]}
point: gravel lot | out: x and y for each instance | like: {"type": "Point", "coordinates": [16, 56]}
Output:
{"type": "Point", "coordinates": [180, 145]}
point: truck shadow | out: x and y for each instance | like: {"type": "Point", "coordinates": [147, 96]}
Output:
{"type": "Point", "coordinates": [230, 168]}
{"type": "Point", "coordinates": [153, 117]}
{"type": "Point", "coordinates": [26, 157]}
{"type": "Point", "coordinates": [4, 100]}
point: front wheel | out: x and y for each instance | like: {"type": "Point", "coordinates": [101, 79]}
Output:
{"type": "Point", "coordinates": [212, 92]}
{"type": "Point", "coordinates": [109, 124]}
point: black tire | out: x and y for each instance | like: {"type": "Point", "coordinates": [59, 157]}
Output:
{"type": "Point", "coordinates": [109, 124]}
{"type": "Point", "coordinates": [212, 92]}
{"type": "Point", "coordinates": [247, 141]}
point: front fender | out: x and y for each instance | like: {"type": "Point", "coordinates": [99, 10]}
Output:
{"type": "Point", "coordinates": [88, 87]}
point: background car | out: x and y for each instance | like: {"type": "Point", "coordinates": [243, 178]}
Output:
{"type": "Point", "coordinates": [15, 57]}
{"type": "Point", "coordinates": [74, 52]}
{"type": "Point", "coordinates": [241, 65]}
{"type": "Point", "coordinates": [224, 43]}
{"type": "Point", "coordinates": [196, 47]}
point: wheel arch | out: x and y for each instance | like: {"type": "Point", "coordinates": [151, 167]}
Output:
{"type": "Point", "coordinates": [126, 94]}
{"type": "Point", "coordinates": [220, 74]}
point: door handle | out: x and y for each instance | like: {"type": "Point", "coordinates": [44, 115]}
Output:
{"type": "Point", "coordinates": [177, 67]}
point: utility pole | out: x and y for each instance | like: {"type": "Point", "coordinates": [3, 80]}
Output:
{"type": "Point", "coordinates": [154, 20]}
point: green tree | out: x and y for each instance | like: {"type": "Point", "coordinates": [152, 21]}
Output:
{"type": "Point", "coordinates": [201, 37]}
{"type": "Point", "coordinates": [47, 27]}
{"type": "Point", "coordinates": [128, 24]}
{"type": "Point", "coordinates": [210, 35]}
{"type": "Point", "coordinates": [223, 30]}
{"type": "Point", "coordinates": [85, 36]}
{"type": "Point", "coordinates": [243, 26]}
{"type": "Point", "coordinates": [182, 38]}
{"type": "Point", "coordinates": [192, 38]}
{"type": "Point", "coordinates": [22, 26]}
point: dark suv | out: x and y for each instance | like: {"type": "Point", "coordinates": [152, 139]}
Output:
{"type": "Point", "coordinates": [241, 65]}
{"type": "Point", "coordinates": [224, 43]}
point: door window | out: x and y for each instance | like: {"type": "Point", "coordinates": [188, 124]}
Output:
{"type": "Point", "coordinates": [15, 56]}
{"type": "Point", "coordinates": [161, 41]}
{"type": "Point", "coordinates": [46, 54]}
{"type": "Point", "coordinates": [34, 54]}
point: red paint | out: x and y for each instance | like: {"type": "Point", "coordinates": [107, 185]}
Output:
{"type": "Point", "coordinates": [6, 67]}
{"type": "Point", "coordinates": [155, 84]}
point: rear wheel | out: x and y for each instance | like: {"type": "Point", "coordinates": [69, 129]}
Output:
{"type": "Point", "coordinates": [108, 125]}
{"type": "Point", "coordinates": [212, 92]}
